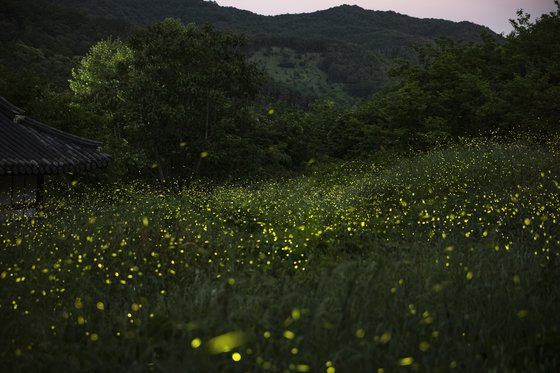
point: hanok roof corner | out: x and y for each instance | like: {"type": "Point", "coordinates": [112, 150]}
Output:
{"type": "Point", "coordinates": [28, 147]}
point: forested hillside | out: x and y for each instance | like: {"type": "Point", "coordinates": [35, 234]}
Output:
{"type": "Point", "coordinates": [342, 53]}
{"type": "Point", "coordinates": [46, 38]}
{"type": "Point", "coordinates": [374, 29]}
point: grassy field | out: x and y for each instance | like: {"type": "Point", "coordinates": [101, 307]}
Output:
{"type": "Point", "coordinates": [440, 261]}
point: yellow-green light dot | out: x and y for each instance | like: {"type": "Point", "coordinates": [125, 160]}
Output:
{"type": "Point", "coordinates": [385, 338]}
{"type": "Point", "coordinates": [406, 361]}
{"type": "Point", "coordinates": [195, 343]}
{"type": "Point", "coordinates": [288, 334]}
{"type": "Point", "coordinates": [236, 356]}
{"type": "Point", "coordinates": [424, 346]}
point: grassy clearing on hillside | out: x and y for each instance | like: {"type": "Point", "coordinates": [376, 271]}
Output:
{"type": "Point", "coordinates": [301, 72]}
{"type": "Point", "coordinates": [445, 260]}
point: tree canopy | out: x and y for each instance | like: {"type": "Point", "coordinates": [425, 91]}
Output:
{"type": "Point", "coordinates": [173, 96]}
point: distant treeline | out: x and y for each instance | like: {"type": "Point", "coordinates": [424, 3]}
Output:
{"type": "Point", "coordinates": [355, 45]}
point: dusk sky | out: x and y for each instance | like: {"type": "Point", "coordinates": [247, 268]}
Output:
{"type": "Point", "coordinates": [491, 13]}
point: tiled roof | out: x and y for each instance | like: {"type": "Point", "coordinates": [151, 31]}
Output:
{"type": "Point", "coordinates": [28, 147]}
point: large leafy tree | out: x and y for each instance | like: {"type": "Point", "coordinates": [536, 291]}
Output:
{"type": "Point", "coordinates": [174, 96]}
{"type": "Point", "coordinates": [462, 89]}
{"type": "Point", "coordinates": [99, 84]}
{"type": "Point", "coordinates": [534, 89]}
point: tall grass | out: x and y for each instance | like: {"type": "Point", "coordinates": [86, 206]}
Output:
{"type": "Point", "coordinates": [446, 260]}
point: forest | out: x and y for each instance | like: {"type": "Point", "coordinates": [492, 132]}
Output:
{"type": "Point", "coordinates": [384, 198]}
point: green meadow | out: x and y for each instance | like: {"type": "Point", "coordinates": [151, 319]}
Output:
{"type": "Point", "coordinates": [438, 261]}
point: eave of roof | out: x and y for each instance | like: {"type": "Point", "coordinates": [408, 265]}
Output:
{"type": "Point", "coordinates": [28, 147]}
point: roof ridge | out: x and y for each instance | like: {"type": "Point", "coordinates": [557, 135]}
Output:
{"type": "Point", "coordinates": [17, 115]}
{"type": "Point", "coordinates": [29, 147]}
{"type": "Point", "coordinates": [9, 109]}
{"type": "Point", "coordinates": [39, 126]}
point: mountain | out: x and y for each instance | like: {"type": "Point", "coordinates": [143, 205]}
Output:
{"type": "Point", "coordinates": [48, 38]}
{"type": "Point", "coordinates": [342, 53]}
{"type": "Point", "coordinates": [374, 29]}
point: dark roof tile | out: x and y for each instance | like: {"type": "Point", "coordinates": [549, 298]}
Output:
{"type": "Point", "coordinates": [28, 147]}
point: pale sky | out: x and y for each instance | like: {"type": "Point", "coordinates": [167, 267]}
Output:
{"type": "Point", "coordinates": [492, 13]}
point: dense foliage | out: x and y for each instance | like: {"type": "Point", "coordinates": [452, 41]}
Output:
{"type": "Point", "coordinates": [377, 30]}
{"type": "Point", "coordinates": [173, 96]}
{"type": "Point", "coordinates": [464, 89]}
{"type": "Point", "coordinates": [445, 260]}
{"type": "Point", "coordinates": [47, 38]}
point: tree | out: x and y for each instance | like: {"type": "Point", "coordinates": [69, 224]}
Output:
{"type": "Point", "coordinates": [99, 86]}
{"type": "Point", "coordinates": [177, 94]}
{"type": "Point", "coordinates": [465, 89]}
{"type": "Point", "coordinates": [534, 88]}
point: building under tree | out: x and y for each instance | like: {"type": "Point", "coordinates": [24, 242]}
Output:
{"type": "Point", "coordinates": [29, 151]}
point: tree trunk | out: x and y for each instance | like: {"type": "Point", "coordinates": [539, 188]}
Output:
{"type": "Point", "coordinates": [206, 136]}
{"type": "Point", "coordinates": [159, 166]}
{"type": "Point", "coordinates": [207, 130]}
